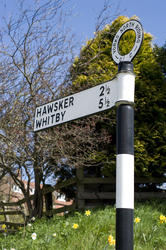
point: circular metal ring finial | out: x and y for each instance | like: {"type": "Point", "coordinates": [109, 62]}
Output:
{"type": "Point", "coordinates": [137, 28]}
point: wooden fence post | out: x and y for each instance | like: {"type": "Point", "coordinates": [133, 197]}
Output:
{"type": "Point", "coordinates": [5, 216]}
{"type": "Point", "coordinates": [80, 187]}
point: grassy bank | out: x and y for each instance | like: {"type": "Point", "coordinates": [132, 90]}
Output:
{"type": "Point", "coordinates": [84, 231]}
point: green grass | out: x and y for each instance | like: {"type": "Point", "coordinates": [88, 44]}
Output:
{"type": "Point", "coordinates": [93, 230]}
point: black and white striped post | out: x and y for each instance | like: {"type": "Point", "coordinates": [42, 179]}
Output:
{"type": "Point", "coordinates": [125, 137]}
{"type": "Point", "coordinates": [125, 170]}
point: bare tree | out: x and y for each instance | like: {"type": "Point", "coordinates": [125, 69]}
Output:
{"type": "Point", "coordinates": [35, 52]}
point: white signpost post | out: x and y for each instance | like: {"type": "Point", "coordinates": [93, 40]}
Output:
{"type": "Point", "coordinates": [119, 92]}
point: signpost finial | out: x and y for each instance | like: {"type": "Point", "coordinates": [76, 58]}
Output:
{"type": "Point", "coordinates": [130, 25]}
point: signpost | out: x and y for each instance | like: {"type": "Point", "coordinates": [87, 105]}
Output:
{"type": "Point", "coordinates": [125, 144]}
{"type": "Point", "coordinates": [84, 103]}
{"type": "Point", "coordinates": [118, 92]}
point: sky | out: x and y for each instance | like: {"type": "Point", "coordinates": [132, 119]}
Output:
{"type": "Point", "coordinates": [151, 14]}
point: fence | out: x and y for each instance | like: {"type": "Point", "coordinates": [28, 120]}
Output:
{"type": "Point", "coordinates": [96, 191]}
{"type": "Point", "coordinates": [17, 208]}
{"type": "Point", "coordinates": [12, 209]}
{"type": "Point", "coordinates": [91, 192]}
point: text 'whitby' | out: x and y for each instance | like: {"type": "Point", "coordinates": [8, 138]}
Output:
{"type": "Point", "coordinates": [52, 113]}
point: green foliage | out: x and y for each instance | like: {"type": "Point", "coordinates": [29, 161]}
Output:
{"type": "Point", "coordinates": [92, 232]}
{"type": "Point", "coordinates": [95, 65]}
{"type": "Point", "coordinates": [161, 57]}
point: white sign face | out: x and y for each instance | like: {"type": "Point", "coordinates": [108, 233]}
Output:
{"type": "Point", "coordinates": [87, 102]}
{"type": "Point", "coordinates": [130, 25]}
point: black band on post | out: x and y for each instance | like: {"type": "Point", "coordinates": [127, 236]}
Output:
{"type": "Point", "coordinates": [125, 129]}
{"type": "Point", "coordinates": [125, 67]}
{"type": "Point", "coordinates": [124, 229]}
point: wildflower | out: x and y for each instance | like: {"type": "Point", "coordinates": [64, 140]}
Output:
{"type": "Point", "coordinates": [29, 224]}
{"type": "Point", "coordinates": [3, 226]}
{"type": "Point", "coordinates": [162, 218]}
{"type": "Point", "coordinates": [66, 224]}
{"type": "Point", "coordinates": [87, 212]}
{"type": "Point", "coordinates": [33, 219]}
{"type": "Point", "coordinates": [75, 226]}
{"type": "Point", "coordinates": [111, 240]}
{"type": "Point", "coordinates": [12, 248]}
{"type": "Point", "coordinates": [137, 220]}
{"type": "Point", "coordinates": [34, 236]}
{"type": "Point", "coordinates": [54, 235]}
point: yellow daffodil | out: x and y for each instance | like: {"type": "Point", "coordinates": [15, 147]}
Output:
{"type": "Point", "coordinates": [3, 226]}
{"type": "Point", "coordinates": [111, 240]}
{"type": "Point", "coordinates": [162, 218]}
{"type": "Point", "coordinates": [87, 212]}
{"type": "Point", "coordinates": [75, 226]}
{"type": "Point", "coordinates": [137, 220]}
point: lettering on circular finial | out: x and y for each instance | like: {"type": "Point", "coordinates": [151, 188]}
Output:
{"type": "Point", "coordinates": [137, 28]}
